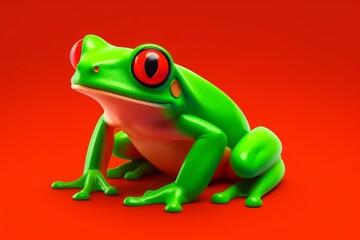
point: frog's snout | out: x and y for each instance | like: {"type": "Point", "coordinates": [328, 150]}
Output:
{"type": "Point", "coordinates": [75, 53]}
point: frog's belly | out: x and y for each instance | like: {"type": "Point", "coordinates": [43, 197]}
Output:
{"type": "Point", "coordinates": [169, 155]}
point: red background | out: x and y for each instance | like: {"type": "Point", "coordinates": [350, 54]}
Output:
{"type": "Point", "coordinates": [292, 66]}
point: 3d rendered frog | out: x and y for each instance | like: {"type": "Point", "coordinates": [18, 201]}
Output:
{"type": "Point", "coordinates": [171, 120]}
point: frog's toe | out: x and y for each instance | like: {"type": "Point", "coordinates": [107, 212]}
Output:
{"type": "Point", "coordinates": [132, 176]}
{"type": "Point", "coordinates": [253, 202]}
{"type": "Point", "coordinates": [73, 184]}
{"type": "Point", "coordinates": [173, 206]}
{"type": "Point", "coordinates": [57, 184]}
{"type": "Point", "coordinates": [111, 191]}
{"type": "Point", "coordinates": [134, 201]}
{"type": "Point", "coordinates": [150, 198]}
{"type": "Point", "coordinates": [220, 198]}
{"type": "Point", "coordinates": [82, 195]}
{"type": "Point", "coordinates": [115, 173]}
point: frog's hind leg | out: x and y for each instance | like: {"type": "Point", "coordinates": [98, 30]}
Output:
{"type": "Point", "coordinates": [264, 183]}
{"type": "Point", "coordinates": [137, 167]}
{"type": "Point", "coordinates": [256, 160]}
{"type": "Point", "coordinates": [239, 189]}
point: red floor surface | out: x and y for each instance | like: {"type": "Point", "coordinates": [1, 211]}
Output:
{"type": "Point", "coordinates": [292, 66]}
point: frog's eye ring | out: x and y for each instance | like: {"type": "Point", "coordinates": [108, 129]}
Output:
{"type": "Point", "coordinates": [151, 67]}
{"type": "Point", "coordinates": [75, 53]}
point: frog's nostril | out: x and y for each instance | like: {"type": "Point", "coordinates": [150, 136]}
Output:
{"type": "Point", "coordinates": [75, 53]}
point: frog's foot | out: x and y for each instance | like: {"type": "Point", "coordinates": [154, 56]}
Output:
{"type": "Point", "coordinates": [239, 189]}
{"type": "Point", "coordinates": [253, 202]}
{"type": "Point", "coordinates": [253, 189]}
{"type": "Point", "coordinates": [132, 170]}
{"type": "Point", "coordinates": [90, 181]}
{"type": "Point", "coordinates": [256, 158]}
{"type": "Point", "coordinates": [171, 195]}
{"type": "Point", "coordinates": [264, 183]}
{"type": "Point", "coordinates": [121, 170]}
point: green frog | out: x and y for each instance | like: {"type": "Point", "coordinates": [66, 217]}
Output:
{"type": "Point", "coordinates": [163, 117]}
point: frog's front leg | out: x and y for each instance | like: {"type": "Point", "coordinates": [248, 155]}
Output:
{"type": "Point", "coordinates": [197, 170]}
{"type": "Point", "coordinates": [97, 158]}
{"type": "Point", "coordinates": [256, 159]}
{"type": "Point", "coordinates": [138, 165]}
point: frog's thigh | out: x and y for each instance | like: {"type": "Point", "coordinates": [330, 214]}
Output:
{"type": "Point", "coordinates": [123, 147]}
{"type": "Point", "coordinates": [255, 153]}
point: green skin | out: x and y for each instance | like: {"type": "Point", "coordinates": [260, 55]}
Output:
{"type": "Point", "coordinates": [202, 114]}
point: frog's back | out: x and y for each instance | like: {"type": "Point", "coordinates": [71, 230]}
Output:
{"type": "Point", "coordinates": [206, 101]}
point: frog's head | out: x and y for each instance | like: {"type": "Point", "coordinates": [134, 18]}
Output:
{"type": "Point", "coordinates": [145, 74]}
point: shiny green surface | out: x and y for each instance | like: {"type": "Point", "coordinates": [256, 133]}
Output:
{"type": "Point", "coordinates": [202, 113]}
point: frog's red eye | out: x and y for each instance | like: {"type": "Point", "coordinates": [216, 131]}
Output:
{"type": "Point", "coordinates": [75, 53]}
{"type": "Point", "coordinates": [151, 67]}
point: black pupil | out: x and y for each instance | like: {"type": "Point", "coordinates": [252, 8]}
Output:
{"type": "Point", "coordinates": [151, 65]}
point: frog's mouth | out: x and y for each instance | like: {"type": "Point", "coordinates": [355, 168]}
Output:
{"type": "Point", "coordinates": [126, 112]}
{"type": "Point", "coordinates": [99, 95]}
